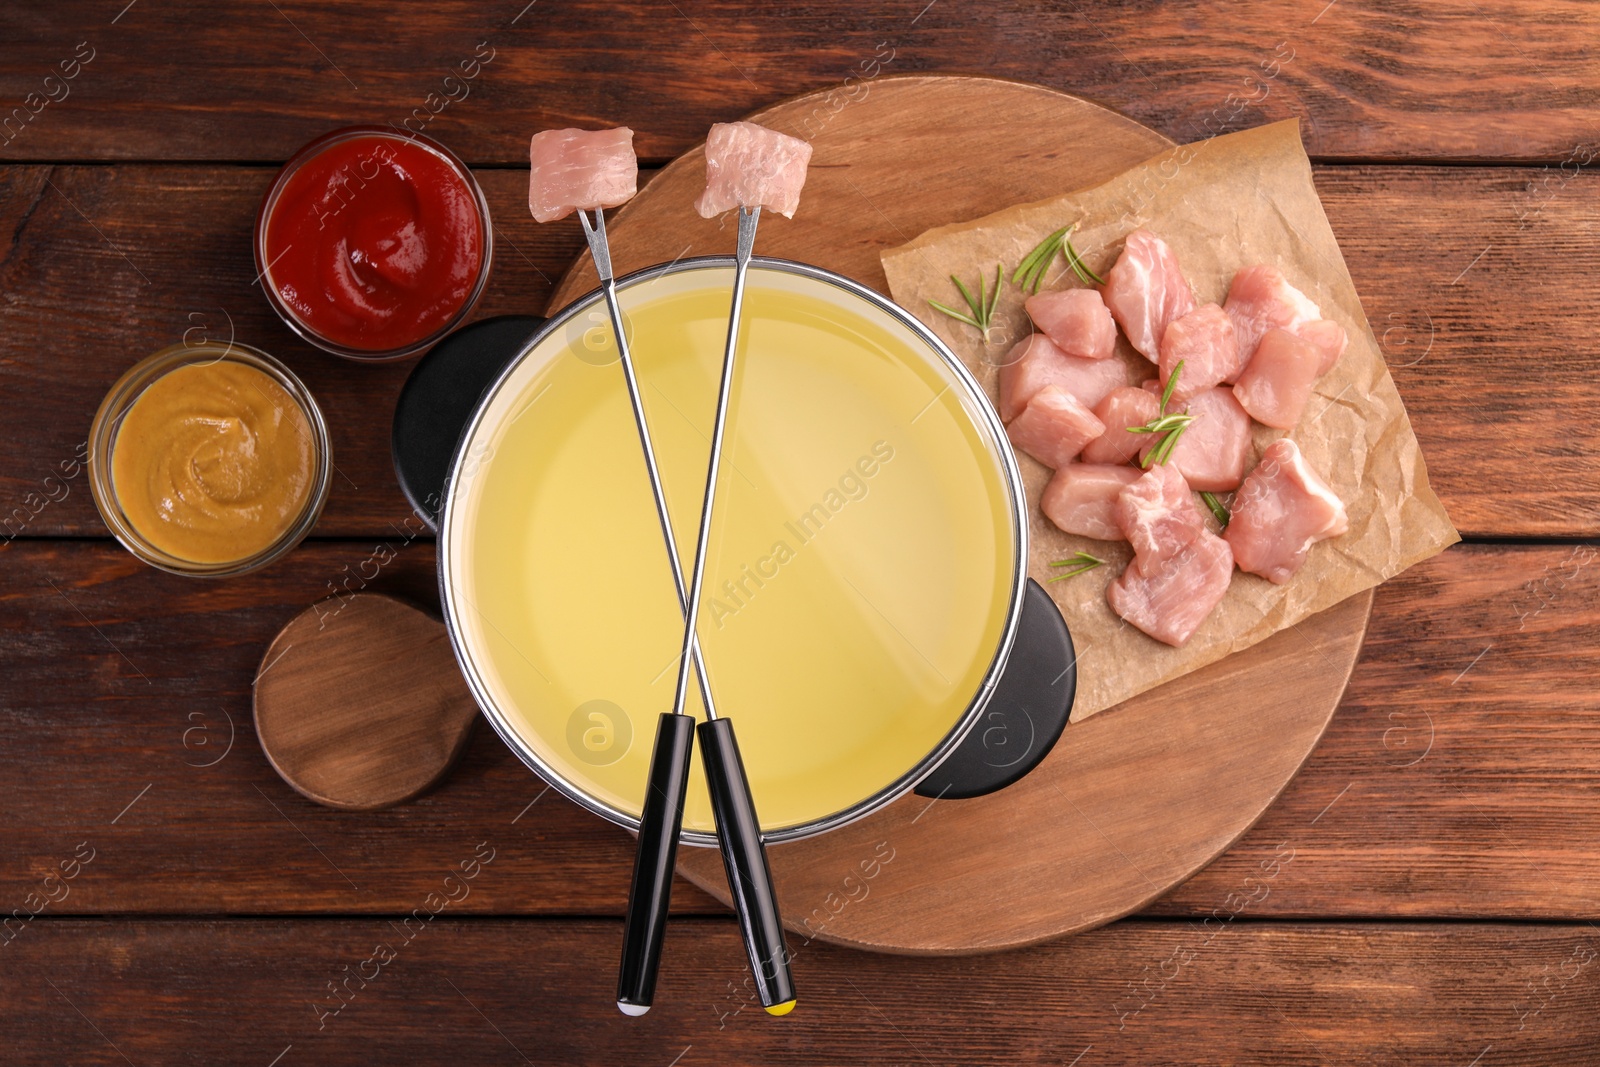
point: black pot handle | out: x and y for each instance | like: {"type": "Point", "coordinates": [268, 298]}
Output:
{"type": "Point", "coordinates": [1026, 713]}
{"type": "Point", "coordinates": [440, 396]}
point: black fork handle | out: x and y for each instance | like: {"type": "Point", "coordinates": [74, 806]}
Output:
{"type": "Point", "coordinates": [646, 925]}
{"type": "Point", "coordinates": [744, 854]}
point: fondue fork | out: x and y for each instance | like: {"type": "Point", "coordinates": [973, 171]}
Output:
{"type": "Point", "coordinates": [662, 818]}
{"type": "Point", "coordinates": [744, 853]}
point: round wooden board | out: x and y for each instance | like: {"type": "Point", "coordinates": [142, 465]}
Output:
{"type": "Point", "coordinates": [1132, 801]}
{"type": "Point", "coordinates": [359, 703]}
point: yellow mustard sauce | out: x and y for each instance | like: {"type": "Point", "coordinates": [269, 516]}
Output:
{"type": "Point", "coordinates": [213, 462]}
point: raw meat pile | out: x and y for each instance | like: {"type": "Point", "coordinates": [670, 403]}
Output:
{"type": "Point", "coordinates": [1254, 359]}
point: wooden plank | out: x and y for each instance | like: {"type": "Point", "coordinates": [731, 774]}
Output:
{"type": "Point", "coordinates": [1453, 781]}
{"type": "Point", "coordinates": [1478, 281]}
{"type": "Point", "coordinates": [110, 264]}
{"type": "Point", "coordinates": [122, 689]}
{"type": "Point", "coordinates": [1455, 80]}
{"type": "Point", "coordinates": [1471, 281]}
{"type": "Point", "coordinates": [1462, 752]}
{"type": "Point", "coordinates": [499, 991]}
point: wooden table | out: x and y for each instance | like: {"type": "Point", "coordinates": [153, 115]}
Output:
{"type": "Point", "coordinates": [1420, 894]}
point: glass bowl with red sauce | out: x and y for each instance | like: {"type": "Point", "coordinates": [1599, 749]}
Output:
{"type": "Point", "coordinates": [373, 244]}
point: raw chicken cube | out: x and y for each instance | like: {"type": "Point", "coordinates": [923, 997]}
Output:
{"type": "Point", "coordinates": [580, 170]}
{"type": "Point", "coordinates": [1081, 499]}
{"type": "Point", "coordinates": [1054, 427]}
{"type": "Point", "coordinates": [1282, 509]}
{"type": "Point", "coordinates": [1077, 320]}
{"type": "Point", "coordinates": [1124, 407]}
{"type": "Point", "coordinates": [1036, 362]}
{"type": "Point", "coordinates": [1260, 299]}
{"type": "Point", "coordinates": [1146, 290]}
{"type": "Point", "coordinates": [1203, 341]}
{"type": "Point", "coordinates": [1211, 452]}
{"type": "Point", "coordinates": [1329, 337]}
{"type": "Point", "coordinates": [751, 166]}
{"type": "Point", "coordinates": [1158, 515]}
{"type": "Point", "coordinates": [1172, 599]}
{"type": "Point", "coordinates": [1277, 383]}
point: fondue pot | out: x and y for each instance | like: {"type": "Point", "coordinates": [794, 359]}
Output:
{"type": "Point", "coordinates": [868, 618]}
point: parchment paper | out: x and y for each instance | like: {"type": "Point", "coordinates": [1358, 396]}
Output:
{"type": "Point", "coordinates": [1221, 204]}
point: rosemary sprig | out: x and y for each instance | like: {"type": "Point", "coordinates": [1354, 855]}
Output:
{"type": "Point", "coordinates": [1217, 509]}
{"type": "Point", "coordinates": [1031, 271]}
{"type": "Point", "coordinates": [1172, 383]}
{"type": "Point", "coordinates": [981, 306]}
{"type": "Point", "coordinates": [1085, 274]}
{"type": "Point", "coordinates": [1163, 423]}
{"type": "Point", "coordinates": [1172, 426]}
{"type": "Point", "coordinates": [1079, 561]}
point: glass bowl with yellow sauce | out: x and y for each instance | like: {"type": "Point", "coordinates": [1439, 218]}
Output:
{"type": "Point", "coordinates": [209, 459]}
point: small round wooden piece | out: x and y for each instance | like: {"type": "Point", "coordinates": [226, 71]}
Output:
{"type": "Point", "coordinates": [359, 703]}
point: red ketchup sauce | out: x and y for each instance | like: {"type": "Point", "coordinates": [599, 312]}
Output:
{"type": "Point", "coordinates": [374, 243]}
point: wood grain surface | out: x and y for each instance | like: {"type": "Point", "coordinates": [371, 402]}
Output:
{"type": "Point", "coordinates": [1452, 782]}
{"type": "Point", "coordinates": [1453, 80]}
{"type": "Point", "coordinates": [1478, 282]}
{"type": "Point", "coordinates": [358, 703]}
{"type": "Point", "coordinates": [1457, 783]}
{"type": "Point", "coordinates": [1226, 992]}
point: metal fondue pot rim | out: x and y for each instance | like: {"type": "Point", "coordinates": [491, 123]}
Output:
{"type": "Point", "coordinates": [999, 448]}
